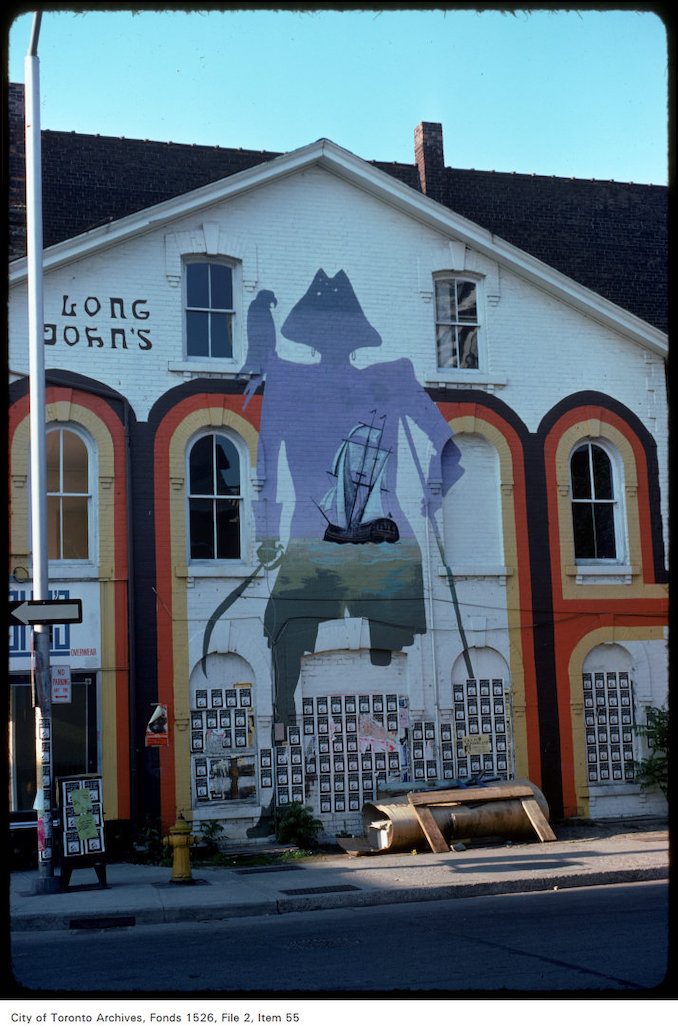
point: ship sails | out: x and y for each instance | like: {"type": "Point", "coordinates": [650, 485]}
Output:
{"type": "Point", "coordinates": [352, 507]}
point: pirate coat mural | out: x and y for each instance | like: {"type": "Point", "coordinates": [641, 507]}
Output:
{"type": "Point", "coordinates": [351, 549]}
{"type": "Point", "coordinates": [325, 501]}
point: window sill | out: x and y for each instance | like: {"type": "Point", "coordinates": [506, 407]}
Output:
{"type": "Point", "coordinates": [602, 574]}
{"type": "Point", "coordinates": [202, 366]}
{"type": "Point", "coordinates": [66, 571]}
{"type": "Point", "coordinates": [229, 808]}
{"type": "Point", "coordinates": [603, 788]}
{"type": "Point", "coordinates": [479, 571]}
{"type": "Point", "coordinates": [454, 379]}
{"type": "Point", "coordinates": [217, 569]}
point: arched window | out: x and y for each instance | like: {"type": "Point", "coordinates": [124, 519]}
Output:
{"type": "Point", "coordinates": [214, 499]}
{"type": "Point", "coordinates": [68, 495]}
{"type": "Point", "coordinates": [472, 522]}
{"type": "Point", "coordinates": [595, 507]}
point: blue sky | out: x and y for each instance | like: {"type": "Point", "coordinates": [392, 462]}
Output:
{"type": "Point", "coordinates": [579, 93]}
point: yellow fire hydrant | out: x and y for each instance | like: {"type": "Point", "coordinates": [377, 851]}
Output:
{"type": "Point", "coordinates": [180, 838]}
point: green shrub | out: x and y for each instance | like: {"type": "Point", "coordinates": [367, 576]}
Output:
{"type": "Point", "coordinates": [150, 846]}
{"type": "Point", "coordinates": [297, 825]}
{"type": "Point", "coordinates": [209, 834]}
{"type": "Point", "coordinates": [654, 769]}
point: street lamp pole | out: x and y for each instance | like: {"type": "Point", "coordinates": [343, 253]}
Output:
{"type": "Point", "coordinates": [42, 685]}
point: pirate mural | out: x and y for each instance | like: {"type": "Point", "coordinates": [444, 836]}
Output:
{"type": "Point", "coordinates": [351, 550]}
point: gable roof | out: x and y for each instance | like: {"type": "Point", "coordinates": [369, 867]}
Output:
{"type": "Point", "coordinates": [609, 237]}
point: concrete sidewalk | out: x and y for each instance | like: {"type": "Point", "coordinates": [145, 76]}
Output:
{"type": "Point", "coordinates": [583, 855]}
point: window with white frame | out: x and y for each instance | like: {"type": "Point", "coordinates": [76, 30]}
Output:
{"type": "Point", "coordinates": [457, 322]}
{"type": "Point", "coordinates": [595, 503]}
{"type": "Point", "coordinates": [210, 310]}
{"type": "Point", "coordinates": [214, 499]}
{"type": "Point", "coordinates": [69, 495]}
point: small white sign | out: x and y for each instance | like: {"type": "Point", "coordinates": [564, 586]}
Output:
{"type": "Point", "coordinates": [61, 683]}
{"type": "Point", "coordinates": [476, 745]}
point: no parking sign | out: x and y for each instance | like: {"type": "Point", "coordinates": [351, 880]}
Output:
{"type": "Point", "coordinates": [61, 683]}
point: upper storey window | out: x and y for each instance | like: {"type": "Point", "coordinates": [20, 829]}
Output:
{"type": "Point", "coordinates": [456, 305]}
{"type": "Point", "coordinates": [210, 312]}
{"type": "Point", "coordinates": [594, 504]}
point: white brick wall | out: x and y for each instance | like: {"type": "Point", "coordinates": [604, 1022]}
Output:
{"type": "Point", "coordinates": [286, 231]}
{"type": "Point", "coordinates": [539, 351]}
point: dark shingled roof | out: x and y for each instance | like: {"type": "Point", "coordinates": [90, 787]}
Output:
{"type": "Point", "coordinates": [91, 180]}
{"type": "Point", "coordinates": [609, 236]}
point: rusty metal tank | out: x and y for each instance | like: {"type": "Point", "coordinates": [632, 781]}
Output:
{"type": "Point", "coordinates": [394, 826]}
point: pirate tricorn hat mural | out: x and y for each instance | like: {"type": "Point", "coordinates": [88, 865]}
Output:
{"type": "Point", "coordinates": [329, 315]}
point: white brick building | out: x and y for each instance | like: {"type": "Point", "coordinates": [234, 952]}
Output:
{"type": "Point", "coordinates": [391, 340]}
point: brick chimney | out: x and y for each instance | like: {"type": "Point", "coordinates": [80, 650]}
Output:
{"type": "Point", "coordinates": [16, 166]}
{"type": "Point", "coordinates": [428, 154]}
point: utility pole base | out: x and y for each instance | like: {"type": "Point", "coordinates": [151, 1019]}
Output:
{"type": "Point", "coordinates": [47, 886]}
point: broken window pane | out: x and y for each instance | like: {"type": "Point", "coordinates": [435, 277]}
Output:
{"type": "Point", "coordinates": [466, 302]}
{"type": "Point", "coordinates": [468, 347]}
{"type": "Point", "coordinates": [456, 312]}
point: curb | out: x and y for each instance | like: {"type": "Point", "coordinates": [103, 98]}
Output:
{"type": "Point", "coordinates": [439, 893]}
{"type": "Point", "coordinates": [343, 900]}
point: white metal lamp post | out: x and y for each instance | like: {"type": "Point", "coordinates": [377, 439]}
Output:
{"type": "Point", "coordinates": [41, 632]}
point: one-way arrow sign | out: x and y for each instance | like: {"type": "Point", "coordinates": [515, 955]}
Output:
{"type": "Point", "coordinates": [46, 611]}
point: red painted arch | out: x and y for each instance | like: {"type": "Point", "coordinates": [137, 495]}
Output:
{"type": "Point", "coordinates": [166, 428]}
{"type": "Point", "coordinates": [17, 414]}
{"type": "Point", "coordinates": [574, 619]}
{"type": "Point", "coordinates": [449, 411]}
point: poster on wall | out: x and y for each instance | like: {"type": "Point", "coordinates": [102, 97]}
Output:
{"type": "Point", "coordinates": [223, 738]}
{"type": "Point", "coordinates": [340, 757]}
{"type": "Point", "coordinates": [157, 730]}
{"type": "Point", "coordinates": [232, 779]}
{"type": "Point", "coordinates": [82, 818]}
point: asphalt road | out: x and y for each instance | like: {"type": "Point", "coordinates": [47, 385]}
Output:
{"type": "Point", "coordinates": [588, 941]}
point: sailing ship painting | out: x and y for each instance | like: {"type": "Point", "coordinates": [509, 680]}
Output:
{"type": "Point", "coordinates": [352, 506]}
